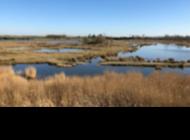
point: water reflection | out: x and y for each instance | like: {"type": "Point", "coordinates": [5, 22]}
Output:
{"type": "Point", "coordinates": [92, 68]}
{"type": "Point", "coordinates": [64, 50]}
{"type": "Point", "coordinates": [161, 51]}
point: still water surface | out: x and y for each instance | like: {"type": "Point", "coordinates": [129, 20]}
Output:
{"type": "Point", "coordinates": [92, 68]}
{"type": "Point", "coordinates": [161, 51]}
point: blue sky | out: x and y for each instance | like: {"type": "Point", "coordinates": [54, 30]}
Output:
{"type": "Point", "coordinates": [81, 17]}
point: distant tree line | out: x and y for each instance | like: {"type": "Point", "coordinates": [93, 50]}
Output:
{"type": "Point", "coordinates": [94, 39]}
{"type": "Point", "coordinates": [32, 37]}
{"type": "Point", "coordinates": [166, 37]}
{"type": "Point", "coordinates": [17, 37]}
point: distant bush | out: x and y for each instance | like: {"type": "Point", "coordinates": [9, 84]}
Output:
{"type": "Point", "coordinates": [171, 60]}
{"type": "Point", "coordinates": [93, 39]}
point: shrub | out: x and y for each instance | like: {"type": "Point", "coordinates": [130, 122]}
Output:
{"type": "Point", "coordinates": [171, 60]}
{"type": "Point", "coordinates": [182, 65]}
{"type": "Point", "coordinates": [140, 58]}
{"type": "Point", "coordinates": [30, 73]}
{"type": "Point", "coordinates": [93, 39]}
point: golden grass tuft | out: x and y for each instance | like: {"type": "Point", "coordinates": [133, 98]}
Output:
{"type": "Point", "coordinates": [30, 73]}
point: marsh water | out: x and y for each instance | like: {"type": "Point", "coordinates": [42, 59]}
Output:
{"type": "Point", "coordinates": [64, 50]}
{"type": "Point", "coordinates": [92, 68]}
{"type": "Point", "coordinates": [65, 42]}
{"type": "Point", "coordinates": [161, 51]}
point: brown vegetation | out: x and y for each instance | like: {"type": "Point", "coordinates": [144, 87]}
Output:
{"type": "Point", "coordinates": [141, 62]}
{"type": "Point", "coordinates": [93, 39]}
{"type": "Point", "coordinates": [19, 52]}
{"type": "Point", "coordinates": [30, 73]}
{"type": "Point", "coordinates": [6, 70]}
{"type": "Point", "coordinates": [108, 90]}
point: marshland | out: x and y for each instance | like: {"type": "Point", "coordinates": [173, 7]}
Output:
{"type": "Point", "coordinates": [94, 71]}
{"type": "Point", "coordinates": [94, 55]}
{"type": "Point", "coordinates": [97, 53]}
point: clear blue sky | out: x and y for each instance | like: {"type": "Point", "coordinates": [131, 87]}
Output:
{"type": "Point", "coordinates": [81, 17]}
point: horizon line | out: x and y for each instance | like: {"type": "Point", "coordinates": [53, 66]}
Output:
{"type": "Point", "coordinates": [72, 35]}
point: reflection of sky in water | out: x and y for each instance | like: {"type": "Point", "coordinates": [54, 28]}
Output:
{"type": "Point", "coordinates": [65, 50]}
{"type": "Point", "coordinates": [92, 68]}
{"type": "Point", "coordinates": [65, 42]}
{"type": "Point", "coordinates": [160, 51]}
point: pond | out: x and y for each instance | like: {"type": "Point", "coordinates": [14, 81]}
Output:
{"type": "Point", "coordinates": [161, 51]}
{"type": "Point", "coordinates": [64, 50]}
{"type": "Point", "coordinates": [92, 68]}
{"type": "Point", "coordinates": [65, 42]}
{"type": "Point", "coordinates": [17, 48]}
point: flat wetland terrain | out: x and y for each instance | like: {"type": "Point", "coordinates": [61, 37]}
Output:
{"type": "Point", "coordinates": [31, 52]}
{"type": "Point", "coordinates": [107, 72]}
{"type": "Point", "coordinates": [27, 52]}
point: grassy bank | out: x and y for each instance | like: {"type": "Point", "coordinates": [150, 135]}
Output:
{"type": "Point", "coordinates": [111, 90]}
{"type": "Point", "coordinates": [147, 64]}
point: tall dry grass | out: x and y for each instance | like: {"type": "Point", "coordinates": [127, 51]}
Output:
{"type": "Point", "coordinates": [108, 90]}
